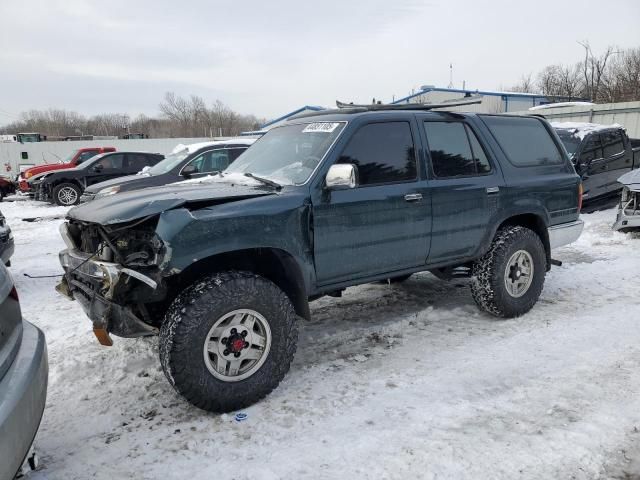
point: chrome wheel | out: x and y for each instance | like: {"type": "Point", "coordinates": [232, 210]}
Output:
{"type": "Point", "coordinates": [237, 345]}
{"type": "Point", "coordinates": [67, 196]}
{"type": "Point", "coordinates": [518, 274]}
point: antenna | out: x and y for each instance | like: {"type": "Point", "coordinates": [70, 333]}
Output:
{"type": "Point", "coordinates": [450, 75]}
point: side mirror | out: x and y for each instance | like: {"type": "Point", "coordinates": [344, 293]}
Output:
{"type": "Point", "coordinates": [97, 168]}
{"type": "Point", "coordinates": [189, 170]}
{"type": "Point", "coordinates": [342, 176]}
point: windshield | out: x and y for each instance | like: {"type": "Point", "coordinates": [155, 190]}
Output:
{"type": "Point", "coordinates": [570, 141]}
{"type": "Point", "coordinates": [89, 162]}
{"type": "Point", "coordinates": [69, 157]}
{"type": "Point", "coordinates": [169, 163]}
{"type": "Point", "coordinates": [288, 155]}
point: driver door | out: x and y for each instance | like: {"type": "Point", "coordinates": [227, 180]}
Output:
{"type": "Point", "coordinates": [209, 162]}
{"type": "Point", "coordinates": [383, 224]}
{"type": "Point", "coordinates": [108, 167]}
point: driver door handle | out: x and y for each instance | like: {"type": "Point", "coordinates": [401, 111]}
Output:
{"type": "Point", "coordinates": [413, 197]}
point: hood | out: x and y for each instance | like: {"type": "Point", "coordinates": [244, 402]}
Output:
{"type": "Point", "coordinates": [129, 206]}
{"type": "Point", "coordinates": [631, 179]}
{"type": "Point", "coordinates": [42, 175]}
{"type": "Point", "coordinates": [46, 168]}
{"type": "Point", "coordinates": [115, 181]}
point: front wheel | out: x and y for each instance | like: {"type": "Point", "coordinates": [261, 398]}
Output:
{"type": "Point", "coordinates": [508, 279]}
{"type": "Point", "coordinates": [228, 340]}
{"type": "Point", "coordinates": [66, 194]}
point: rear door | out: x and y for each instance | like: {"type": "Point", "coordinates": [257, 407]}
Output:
{"type": "Point", "coordinates": [382, 225]}
{"type": "Point", "coordinates": [616, 158]}
{"type": "Point", "coordinates": [592, 167]}
{"type": "Point", "coordinates": [465, 186]}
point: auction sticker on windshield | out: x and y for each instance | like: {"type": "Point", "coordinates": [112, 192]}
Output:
{"type": "Point", "coordinates": [324, 127]}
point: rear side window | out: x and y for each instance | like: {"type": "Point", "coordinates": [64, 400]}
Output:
{"type": "Point", "coordinates": [138, 161]}
{"type": "Point", "coordinates": [525, 141]}
{"type": "Point", "coordinates": [382, 153]}
{"type": "Point", "coordinates": [612, 143]}
{"type": "Point", "coordinates": [455, 151]}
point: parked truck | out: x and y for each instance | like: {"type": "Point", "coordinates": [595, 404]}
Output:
{"type": "Point", "coordinates": [222, 269]}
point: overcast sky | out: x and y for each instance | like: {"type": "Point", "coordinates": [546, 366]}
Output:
{"type": "Point", "coordinates": [269, 58]}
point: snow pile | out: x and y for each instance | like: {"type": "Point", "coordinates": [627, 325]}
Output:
{"type": "Point", "coordinates": [582, 129]}
{"type": "Point", "coordinates": [390, 381]}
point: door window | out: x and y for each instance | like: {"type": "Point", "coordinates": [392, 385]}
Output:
{"type": "Point", "coordinates": [211, 161]}
{"type": "Point", "coordinates": [455, 150]}
{"type": "Point", "coordinates": [111, 162]}
{"type": "Point", "coordinates": [382, 153]}
{"type": "Point", "coordinates": [86, 156]}
{"type": "Point", "coordinates": [612, 143]}
{"type": "Point", "coordinates": [592, 149]}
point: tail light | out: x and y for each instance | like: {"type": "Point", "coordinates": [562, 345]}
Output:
{"type": "Point", "coordinates": [14, 294]}
{"type": "Point", "coordinates": [580, 191]}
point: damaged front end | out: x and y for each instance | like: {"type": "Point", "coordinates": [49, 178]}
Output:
{"type": "Point", "coordinates": [112, 271]}
{"type": "Point", "coordinates": [628, 218]}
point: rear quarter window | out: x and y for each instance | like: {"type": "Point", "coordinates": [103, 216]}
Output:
{"type": "Point", "coordinates": [525, 141]}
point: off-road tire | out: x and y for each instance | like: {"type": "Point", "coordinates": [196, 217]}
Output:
{"type": "Point", "coordinates": [187, 324]}
{"type": "Point", "coordinates": [487, 274]}
{"type": "Point", "coordinates": [58, 188]}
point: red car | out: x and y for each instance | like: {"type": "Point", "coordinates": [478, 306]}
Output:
{"type": "Point", "coordinates": [7, 187]}
{"type": "Point", "coordinates": [73, 160]}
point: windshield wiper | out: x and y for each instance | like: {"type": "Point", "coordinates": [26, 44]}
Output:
{"type": "Point", "coordinates": [266, 181]}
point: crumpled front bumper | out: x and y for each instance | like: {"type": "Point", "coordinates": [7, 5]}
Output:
{"type": "Point", "coordinates": [95, 284]}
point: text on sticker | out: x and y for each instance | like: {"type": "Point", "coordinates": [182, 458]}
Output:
{"type": "Point", "coordinates": [325, 127]}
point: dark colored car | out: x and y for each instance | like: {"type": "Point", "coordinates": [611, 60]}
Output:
{"type": "Point", "coordinates": [192, 161]}
{"type": "Point", "coordinates": [64, 187]}
{"type": "Point", "coordinates": [23, 379]}
{"type": "Point", "coordinates": [6, 241]}
{"type": "Point", "coordinates": [7, 187]}
{"type": "Point", "coordinates": [74, 159]}
{"type": "Point", "coordinates": [600, 153]}
{"type": "Point", "coordinates": [223, 269]}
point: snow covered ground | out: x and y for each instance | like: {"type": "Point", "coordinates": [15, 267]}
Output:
{"type": "Point", "coordinates": [400, 381]}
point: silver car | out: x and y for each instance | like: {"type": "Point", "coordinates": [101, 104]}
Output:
{"type": "Point", "coordinates": [23, 379]}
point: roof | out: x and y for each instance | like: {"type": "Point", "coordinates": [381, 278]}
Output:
{"type": "Point", "coordinates": [193, 147]}
{"type": "Point", "coordinates": [467, 92]}
{"type": "Point", "coordinates": [314, 108]}
{"type": "Point", "coordinates": [582, 129]}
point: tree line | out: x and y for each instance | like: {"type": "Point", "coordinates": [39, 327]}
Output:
{"type": "Point", "coordinates": [180, 117]}
{"type": "Point", "coordinates": [610, 76]}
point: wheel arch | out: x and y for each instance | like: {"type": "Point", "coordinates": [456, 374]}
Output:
{"type": "Point", "coordinates": [533, 222]}
{"type": "Point", "coordinates": [275, 264]}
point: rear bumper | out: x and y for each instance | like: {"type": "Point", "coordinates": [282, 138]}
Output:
{"type": "Point", "coordinates": [565, 233]}
{"type": "Point", "coordinates": [23, 392]}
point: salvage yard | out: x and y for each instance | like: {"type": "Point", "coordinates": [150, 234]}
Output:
{"type": "Point", "coordinates": [388, 381]}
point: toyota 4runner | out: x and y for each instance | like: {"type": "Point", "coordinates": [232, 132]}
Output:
{"type": "Point", "coordinates": [223, 268]}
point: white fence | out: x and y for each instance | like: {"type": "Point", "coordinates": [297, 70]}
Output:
{"type": "Point", "coordinates": [14, 155]}
{"type": "Point", "coordinates": [626, 114]}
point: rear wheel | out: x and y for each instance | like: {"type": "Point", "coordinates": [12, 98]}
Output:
{"type": "Point", "coordinates": [508, 279]}
{"type": "Point", "coordinates": [66, 194]}
{"type": "Point", "coordinates": [228, 340]}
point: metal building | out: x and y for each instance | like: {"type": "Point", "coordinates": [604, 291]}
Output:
{"type": "Point", "coordinates": [492, 102]}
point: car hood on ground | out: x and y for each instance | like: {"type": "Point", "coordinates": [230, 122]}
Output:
{"type": "Point", "coordinates": [115, 181]}
{"type": "Point", "coordinates": [129, 206]}
{"type": "Point", "coordinates": [631, 179]}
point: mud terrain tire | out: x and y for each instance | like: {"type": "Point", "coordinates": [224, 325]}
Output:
{"type": "Point", "coordinates": [488, 286]}
{"type": "Point", "coordinates": [194, 314]}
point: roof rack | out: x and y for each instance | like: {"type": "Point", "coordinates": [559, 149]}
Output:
{"type": "Point", "coordinates": [458, 102]}
{"type": "Point", "coordinates": [356, 108]}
